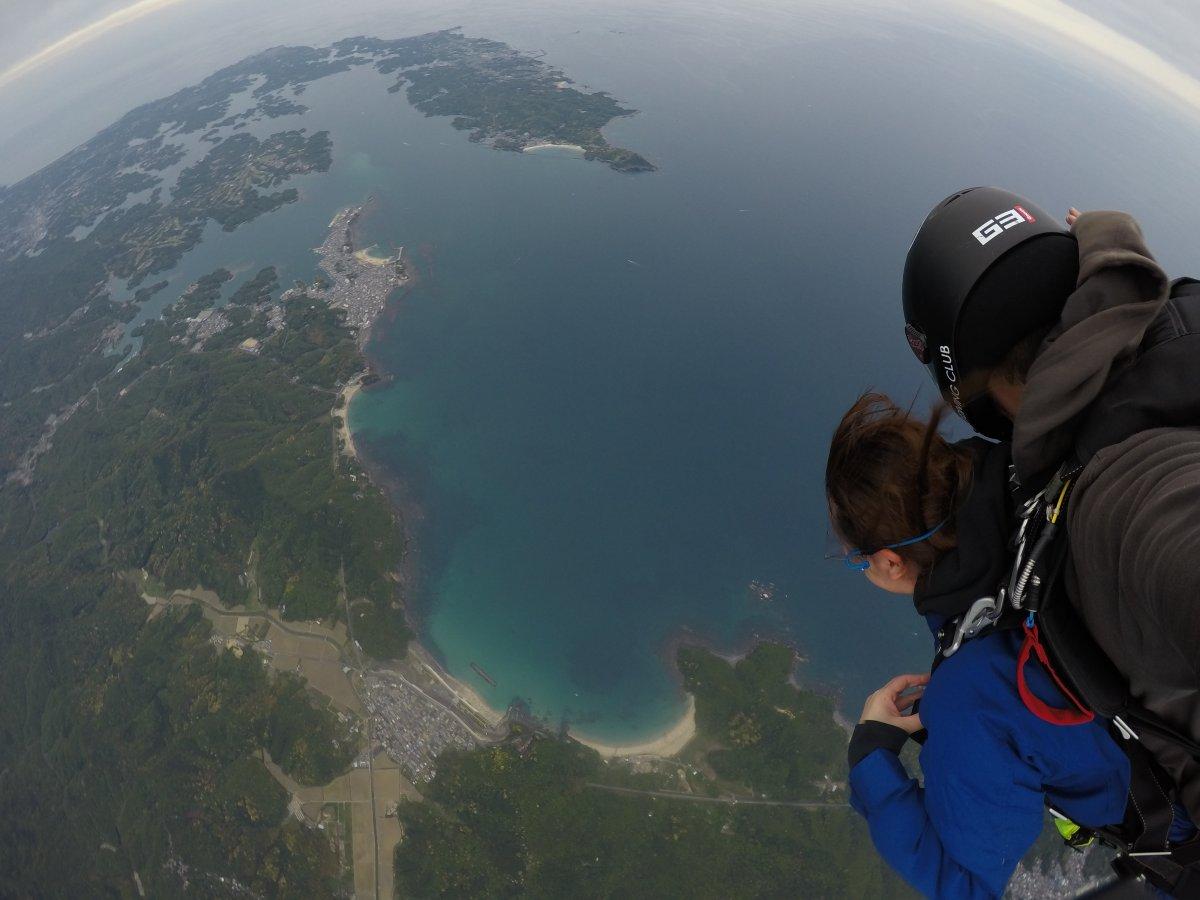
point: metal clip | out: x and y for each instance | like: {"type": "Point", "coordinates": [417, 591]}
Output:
{"type": "Point", "coordinates": [983, 612]}
{"type": "Point", "coordinates": [1126, 731]}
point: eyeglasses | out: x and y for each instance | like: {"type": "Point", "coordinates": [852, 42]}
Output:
{"type": "Point", "coordinates": [859, 561]}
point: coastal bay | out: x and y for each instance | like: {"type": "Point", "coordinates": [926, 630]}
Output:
{"type": "Point", "coordinates": [669, 743]}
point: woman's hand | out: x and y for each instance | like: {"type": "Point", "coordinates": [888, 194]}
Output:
{"type": "Point", "coordinates": [1072, 216]}
{"type": "Point", "coordinates": [888, 706]}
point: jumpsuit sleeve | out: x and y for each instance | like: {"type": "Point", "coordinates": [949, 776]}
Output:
{"type": "Point", "coordinates": [995, 823]}
{"type": "Point", "coordinates": [1115, 267]}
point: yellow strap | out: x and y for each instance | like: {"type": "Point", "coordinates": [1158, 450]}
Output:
{"type": "Point", "coordinates": [1066, 828]}
{"type": "Point", "coordinates": [1062, 496]}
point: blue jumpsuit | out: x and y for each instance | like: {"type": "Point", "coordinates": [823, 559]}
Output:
{"type": "Point", "coordinates": [988, 765]}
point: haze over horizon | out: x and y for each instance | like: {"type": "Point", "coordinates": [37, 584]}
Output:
{"type": "Point", "coordinates": [45, 49]}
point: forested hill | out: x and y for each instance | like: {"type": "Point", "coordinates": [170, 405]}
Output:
{"type": "Point", "coordinates": [128, 743]}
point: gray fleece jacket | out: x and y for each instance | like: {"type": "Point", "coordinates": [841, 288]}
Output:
{"type": "Point", "coordinates": [1134, 518]}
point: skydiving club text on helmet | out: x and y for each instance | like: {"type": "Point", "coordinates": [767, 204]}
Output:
{"type": "Point", "coordinates": [951, 379]}
{"type": "Point", "coordinates": [1001, 223]}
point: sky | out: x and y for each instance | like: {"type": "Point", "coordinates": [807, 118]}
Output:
{"type": "Point", "coordinates": [70, 67]}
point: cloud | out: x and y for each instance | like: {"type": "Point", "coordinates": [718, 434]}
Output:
{"type": "Point", "coordinates": [83, 36]}
{"type": "Point", "coordinates": [1099, 42]}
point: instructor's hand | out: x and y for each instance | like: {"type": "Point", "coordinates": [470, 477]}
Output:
{"type": "Point", "coordinates": [1072, 217]}
{"type": "Point", "coordinates": [888, 706]}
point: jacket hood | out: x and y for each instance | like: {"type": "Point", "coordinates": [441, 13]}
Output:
{"type": "Point", "coordinates": [1121, 289]}
{"type": "Point", "coordinates": [983, 525]}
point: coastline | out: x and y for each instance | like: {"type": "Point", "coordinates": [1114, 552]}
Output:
{"type": "Point", "coordinates": [464, 693]}
{"type": "Point", "coordinates": [670, 743]}
{"type": "Point", "coordinates": [345, 435]}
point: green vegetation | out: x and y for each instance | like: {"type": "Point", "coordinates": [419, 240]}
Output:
{"type": "Point", "coordinates": [142, 760]}
{"type": "Point", "coordinates": [381, 630]}
{"type": "Point", "coordinates": [759, 731]}
{"type": "Point", "coordinates": [219, 467]}
{"type": "Point", "coordinates": [258, 289]}
{"type": "Point", "coordinates": [502, 823]}
{"type": "Point", "coordinates": [132, 745]}
{"type": "Point", "coordinates": [498, 94]}
{"type": "Point", "coordinates": [241, 165]}
{"type": "Point", "coordinates": [298, 735]}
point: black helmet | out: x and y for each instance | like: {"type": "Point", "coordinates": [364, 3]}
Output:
{"type": "Point", "coordinates": [986, 269]}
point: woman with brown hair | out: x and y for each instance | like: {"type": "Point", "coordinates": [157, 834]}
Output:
{"type": "Point", "coordinates": [924, 517]}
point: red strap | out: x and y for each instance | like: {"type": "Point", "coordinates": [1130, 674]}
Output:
{"type": "Point", "coordinates": [1035, 704]}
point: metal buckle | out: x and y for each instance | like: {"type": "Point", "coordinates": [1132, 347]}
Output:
{"type": "Point", "coordinates": [983, 612]}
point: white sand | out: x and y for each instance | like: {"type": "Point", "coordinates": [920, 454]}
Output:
{"type": "Point", "coordinates": [344, 432]}
{"type": "Point", "coordinates": [574, 148]}
{"type": "Point", "coordinates": [669, 743]}
{"type": "Point", "coordinates": [366, 256]}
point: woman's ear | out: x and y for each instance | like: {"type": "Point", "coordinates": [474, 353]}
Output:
{"type": "Point", "coordinates": [892, 565]}
{"type": "Point", "coordinates": [892, 572]}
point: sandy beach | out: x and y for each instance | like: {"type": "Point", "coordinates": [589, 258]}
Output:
{"type": "Point", "coordinates": [465, 694]}
{"type": "Point", "coordinates": [669, 743]}
{"type": "Point", "coordinates": [574, 148]}
{"type": "Point", "coordinates": [366, 256]}
{"type": "Point", "coordinates": [344, 433]}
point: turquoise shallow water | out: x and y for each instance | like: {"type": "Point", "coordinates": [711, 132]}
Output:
{"type": "Point", "coordinates": [610, 396]}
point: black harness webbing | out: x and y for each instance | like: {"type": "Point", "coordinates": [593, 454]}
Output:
{"type": "Point", "coordinates": [1142, 840]}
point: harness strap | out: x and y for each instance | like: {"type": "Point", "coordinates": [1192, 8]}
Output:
{"type": "Point", "coordinates": [1034, 703]}
{"type": "Point", "coordinates": [1150, 812]}
{"type": "Point", "coordinates": [1188, 855]}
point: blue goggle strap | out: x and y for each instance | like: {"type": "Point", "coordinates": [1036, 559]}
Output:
{"type": "Point", "coordinates": [863, 564]}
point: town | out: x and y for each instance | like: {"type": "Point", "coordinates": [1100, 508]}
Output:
{"type": "Point", "coordinates": [357, 281]}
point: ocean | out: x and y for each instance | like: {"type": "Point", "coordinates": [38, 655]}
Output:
{"type": "Point", "coordinates": [609, 397]}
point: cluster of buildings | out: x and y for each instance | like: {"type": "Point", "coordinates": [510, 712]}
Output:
{"type": "Point", "coordinates": [412, 727]}
{"type": "Point", "coordinates": [204, 325]}
{"type": "Point", "coordinates": [358, 283]}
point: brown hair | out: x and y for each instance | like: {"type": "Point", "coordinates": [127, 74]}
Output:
{"type": "Point", "coordinates": [891, 477]}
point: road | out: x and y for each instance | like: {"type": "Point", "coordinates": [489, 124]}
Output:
{"type": "Point", "coordinates": [729, 801]}
{"type": "Point", "coordinates": [368, 721]}
{"type": "Point", "coordinates": [249, 614]}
